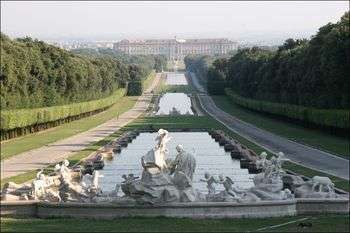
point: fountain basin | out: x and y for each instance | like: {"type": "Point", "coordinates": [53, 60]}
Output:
{"type": "Point", "coordinates": [262, 209]}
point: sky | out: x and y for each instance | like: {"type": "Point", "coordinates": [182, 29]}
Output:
{"type": "Point", "coordinates": [137, 20]}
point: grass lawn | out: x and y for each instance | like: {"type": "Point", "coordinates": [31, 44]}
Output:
{"type": "Point", "coordinates": [330, 223]}
{"type": "Point", "coordinates": [315, 138]}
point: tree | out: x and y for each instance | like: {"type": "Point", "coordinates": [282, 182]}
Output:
{"type": "Point", "coordinates": [216, 81]}
{"type": "Point", "coordinates": [135, 83]}
{"type": "Point", "coordinates": [309, 73]}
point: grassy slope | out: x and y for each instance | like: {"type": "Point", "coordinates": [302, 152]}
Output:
{"type": "Point", "coordinates": [32, 141]}
{"type": "Point", "coordinates": [340, 223]}
{"type": "Point", "coordinates": [311, 137]}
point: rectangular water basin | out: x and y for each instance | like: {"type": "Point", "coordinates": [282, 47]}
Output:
{"type": "Point", "coordinates": [176, 79]}
{"type": "Point", "coordinates": [175, 104]}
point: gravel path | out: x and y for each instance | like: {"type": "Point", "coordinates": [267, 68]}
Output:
{"type": "Point", "coordinates": [298, 153]}
{"type": "Point", "coordinates": [57, 151]}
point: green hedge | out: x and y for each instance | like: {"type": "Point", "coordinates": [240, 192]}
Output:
{"type": "Point", "coordinates": [337, 118]}
{"type": "Point", "coordinates": [19, 118]}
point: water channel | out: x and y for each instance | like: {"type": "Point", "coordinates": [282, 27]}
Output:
{"type": "Point", "coordinates": [176, 79]}
{"type": "Point", "coordinates": [179, 101]}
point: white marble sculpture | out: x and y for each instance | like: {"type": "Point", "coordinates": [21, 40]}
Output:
{"type": "Point", "coordinates": [90, 182]}
{"type": "Point", "coordinates": [55, 188]}
{"type": "Point", "coordinates": [268, 185]}
{"type": "Point", "coordinates": [211, 181]}
{"type": "Point", "coordinates": [41, 188]}
{"type": "Point", "coordinates": [156, 157]}
{"type": "Point", "coordinates": [162, 180]}
{"type": "Point", "coordinates": [169, 180]}
{"type": "Point", "coordinates": [317, 187]}
{"type": "Point", "coordinates": [227, 182]}
{"type": "Point", "coordinates": [183, 168]}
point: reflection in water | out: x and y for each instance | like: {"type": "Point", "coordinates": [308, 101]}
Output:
{"type": "Point", "coordinates": [209, 156]}
{"type": "Point", "coordinates": [176, 79]}
{"type": "Point", "coordinates": [180, 101]}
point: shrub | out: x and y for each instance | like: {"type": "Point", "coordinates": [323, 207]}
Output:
{"type": "Point", "coordinates": [19, 118]}
{"type": "Point", "coordinates": [337, 118]}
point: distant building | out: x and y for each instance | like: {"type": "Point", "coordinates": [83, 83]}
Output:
{"type": "Point", "coordinates": [176, 48]}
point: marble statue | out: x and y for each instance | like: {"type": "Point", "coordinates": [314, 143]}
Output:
{"type": "Point", "coordinates": [263, 163]}
{"type": "Point", "coordinates": [316, 187]}
{"type": "Point", "coordinates": [156, 157]}
{"type": "Point", "coordinates": [183, 168]}
{"type": "Point", "coordinates": [64, 170]}
{"type": "Point", "coordinates": [167, 180]}
{"type": "Point", "coordinates": [15, 192]}
{"type": "Point", "coordinates": [90, 182]}
{"type": "Point", "coordinates": [211, 181]}
{"type": "Point", "coordinates": [82, 190]}
{"type": "Point", "coordinates": [162, 180]}
{"type": "Point", "coordinates": [227, 182]}
{"type": "Point", "coordinates": [268, 185]}
{"type": "Point", "coordinates": [41, 188]}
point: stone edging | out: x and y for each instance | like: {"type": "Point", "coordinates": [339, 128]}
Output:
{"type": "Point", "coordinates": [261, 209]}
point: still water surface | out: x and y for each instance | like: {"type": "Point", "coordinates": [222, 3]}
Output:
{"type": "Point", "coordinates": [176, 79]}
{"type": "Point", "coordinates": [180, 101]}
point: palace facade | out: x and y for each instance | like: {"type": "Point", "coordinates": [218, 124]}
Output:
{"type": "Point", "coordinates": [176, 49]}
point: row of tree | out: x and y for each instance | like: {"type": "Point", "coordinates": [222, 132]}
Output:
{"type": "Point", "coordinates": [146, 63]}
{"type": "Point", "coordinates": [35, 74]}
{"type": "Point", "coordinates": [139, 65]}
{"type": "Point", "coordinates": [313, 73]}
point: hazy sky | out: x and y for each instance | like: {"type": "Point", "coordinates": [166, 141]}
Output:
{"type": "Point", "coordinates": [116, 20]}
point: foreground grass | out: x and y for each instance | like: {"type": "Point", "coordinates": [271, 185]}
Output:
{"type": "Point", "coordinates": [315, 138]}
{"type": "Point", "coordinates": [32, 141]}
{"type": "Point", "coordinates": [331, 223]}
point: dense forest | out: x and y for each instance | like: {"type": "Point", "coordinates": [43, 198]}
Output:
{"type": "Point", "coordinates": [313, 73]}
{"type": "Point", "coordinates": [35, 74]}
